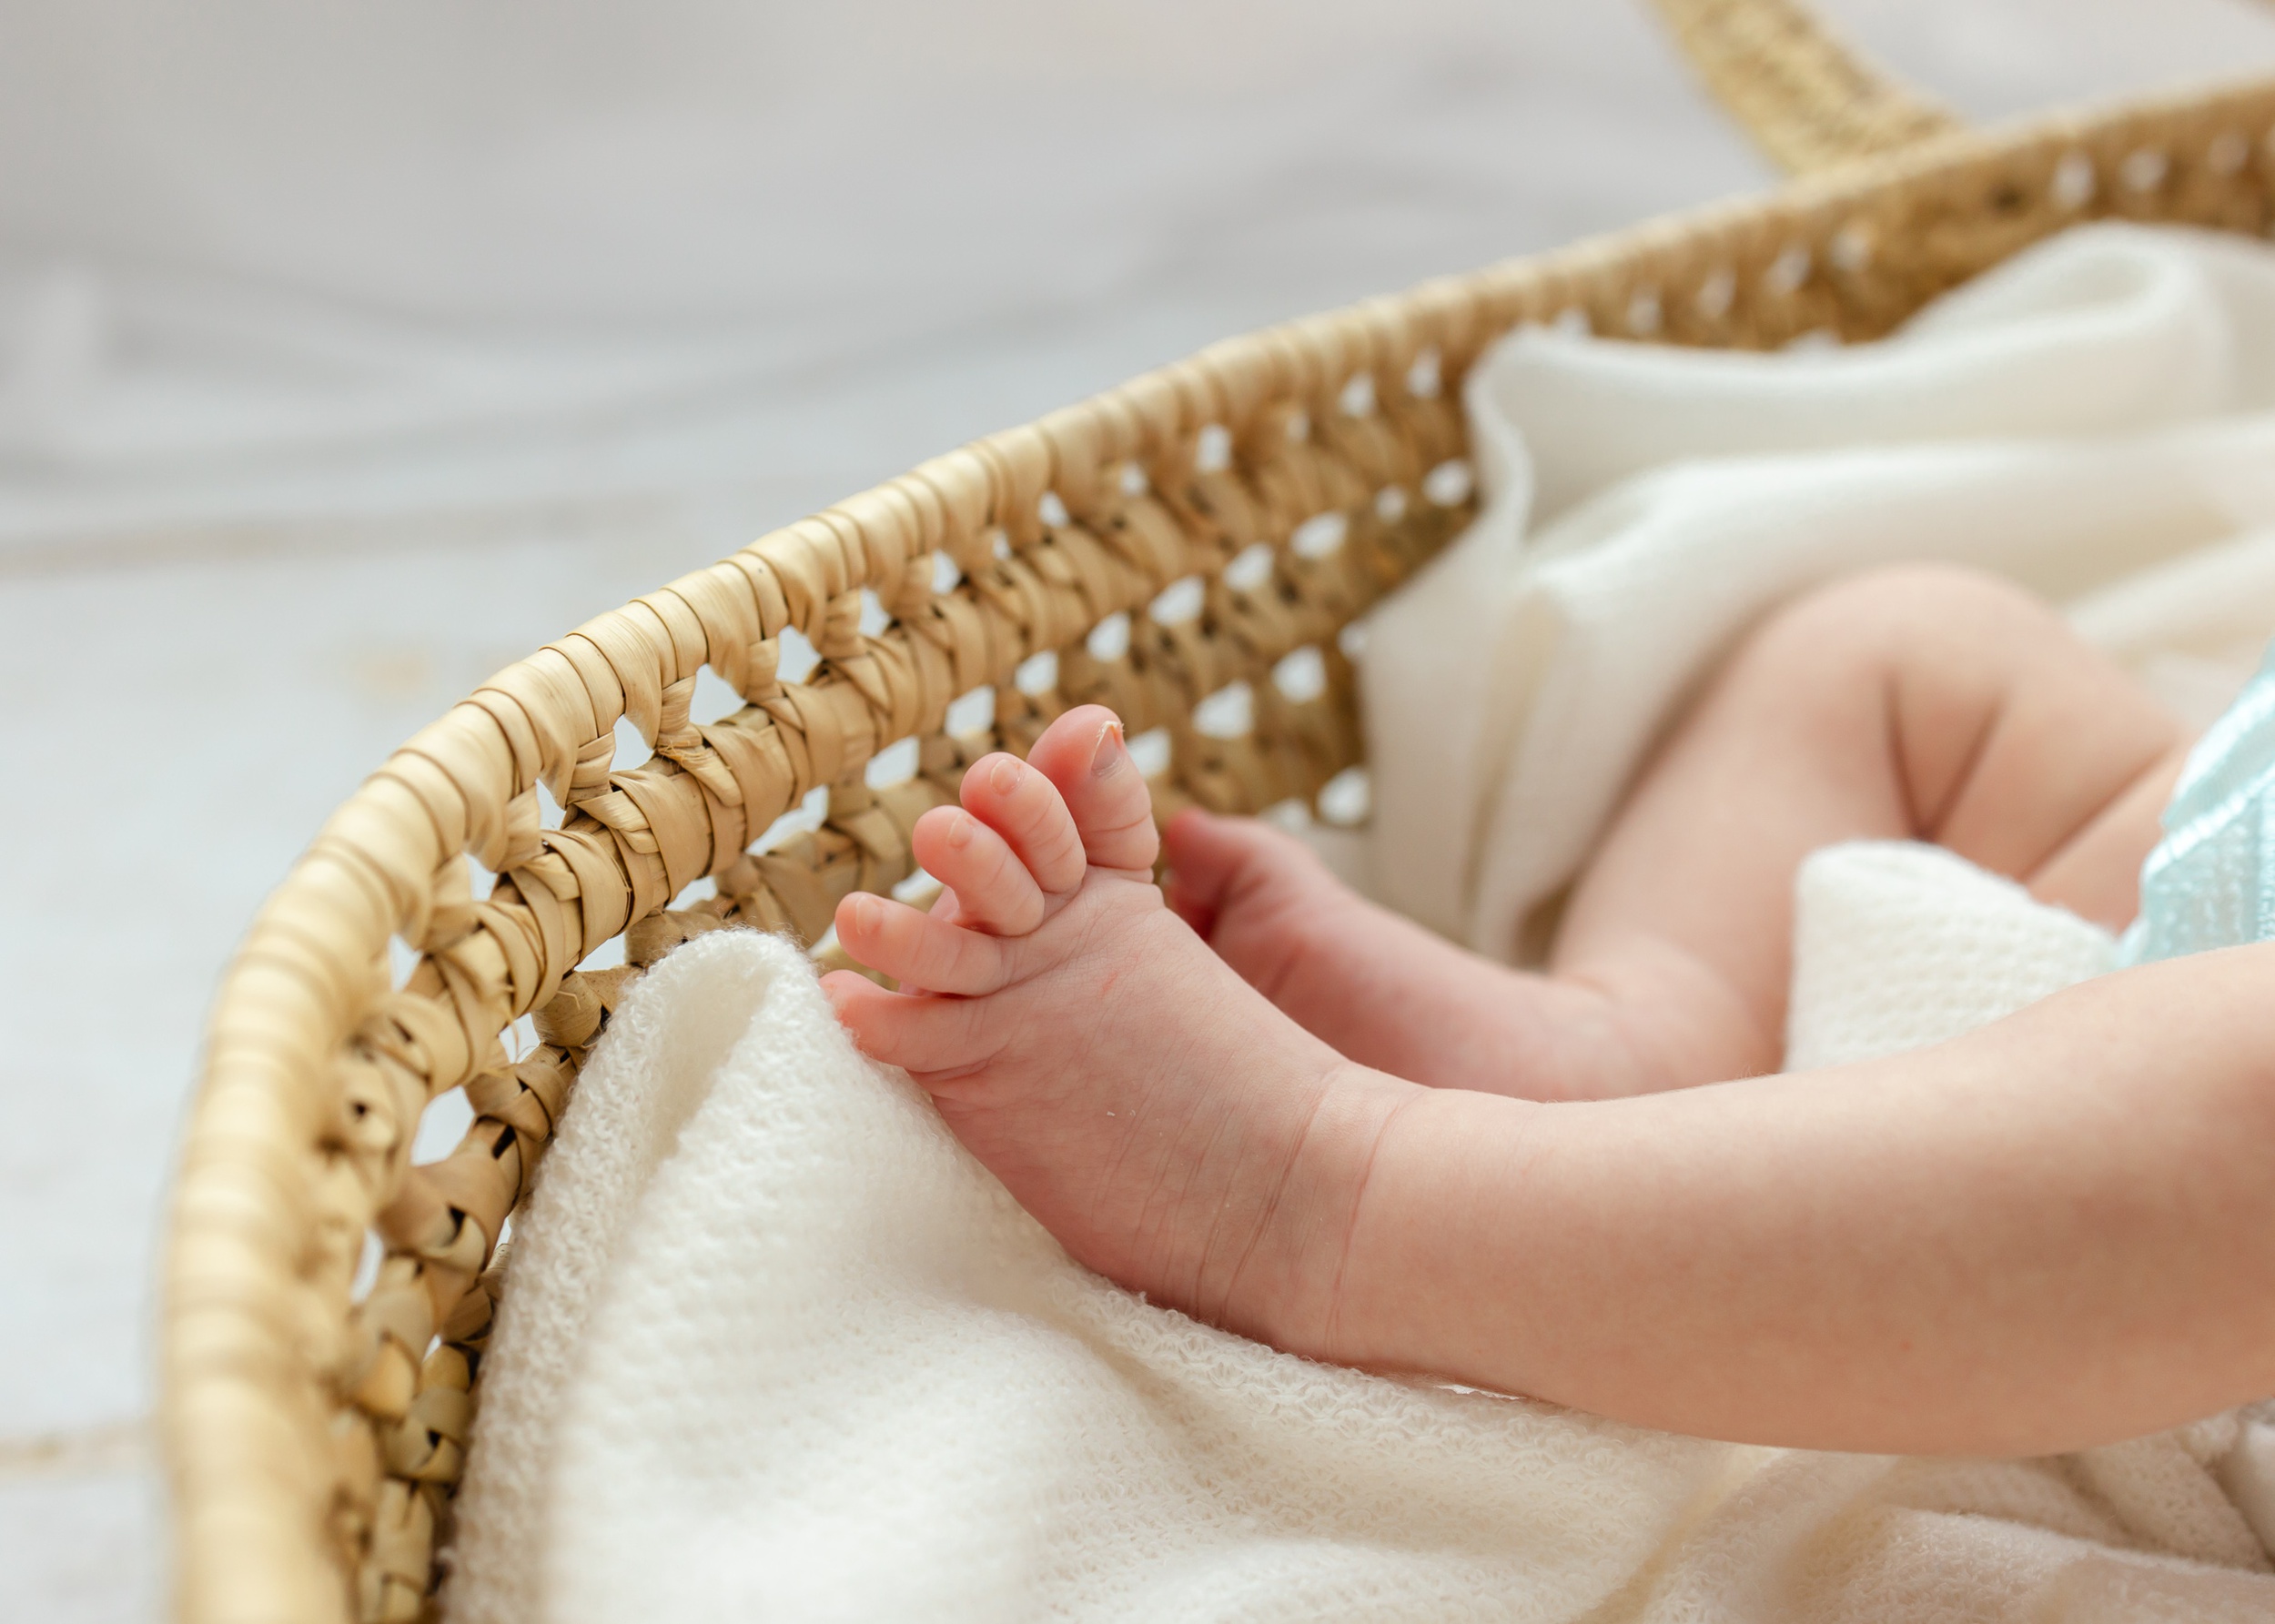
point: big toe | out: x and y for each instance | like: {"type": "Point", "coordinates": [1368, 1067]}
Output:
{"type": "Point", "coordinates": [1082, 753]}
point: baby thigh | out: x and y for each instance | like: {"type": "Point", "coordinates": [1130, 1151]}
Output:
{"type": "Point", "coordinates": [1924, 701]}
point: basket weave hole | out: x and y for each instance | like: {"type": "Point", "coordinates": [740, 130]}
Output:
{"type": "Point", "coordinates": [368, 1259]}
{"type": "Point", "coordinates": [972, 712]}
{"type": "Point", "coordinates": [631, 750]}
{"type": "Point", "coordinates": [1212, 448]}
{"type": "Point", "coordinates": [1109, 640]}
{"type": "Point", "coordinates": [1347, 798]}
{"type": "Point", "coordinates": [1325, 534]}
{"type": "Point", "coordinates": [1227, 713]}
{"type": "Point", "coordinates": [1038, 674]}
{"type": "Point", "coordinates": [897, 763]}
{"type": "Point", "coordinates": [715, 699]}
{"type": "Point", "coordinates": [1788, 271]}
{"type": "Point", "coordinates": [609, 955]}
{"type": "Point", "coordinates": [1716, 293]}
{"type": "Point", "coordinates": [798, 656]}
{"type": "Point", "coordinates": [442, 1125]}
{"type": "Point", "coordinates": [2074, 183]}
{"type": "Point", "coordinates": [1449, 484]}
{"type": "Point", "coordinates": [2144, 169]}
{"type": "Point", "coordinates": [1151, 752]}
{"type": "Point", "coordinates": [1251, 568]}
{"type": "Point", "coordinates": [1300, 675]}
{"type": "Point", "coordinates": [1425, 376]}
{"type": "Point", "coordinates": [1851, 248]}
{"type": "Point", "coordinates": [801, 819]}
{"type": "Point", "coordinates": [1180, 601]}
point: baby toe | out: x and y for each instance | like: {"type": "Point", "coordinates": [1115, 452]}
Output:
{"type": "Point", "coordinates": [917, 949]}
{"type": "Point", "coordinates": [1082, 752]}
{"type": "Point", "coordinates": [1025, 808]}
{"type": "Point", "coordinates": [994, 890]}
{"type": "Point", "coordinates": [935, 1038]}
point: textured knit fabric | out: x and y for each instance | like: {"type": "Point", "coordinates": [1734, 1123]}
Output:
{"type": "Point", "coordinates": [1900, 945]}
{"type": "Point", "coordinates": [777, 1349]}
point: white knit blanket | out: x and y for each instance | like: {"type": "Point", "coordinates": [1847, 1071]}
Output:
{"type": "Point", "coordinates": [775, 1348]}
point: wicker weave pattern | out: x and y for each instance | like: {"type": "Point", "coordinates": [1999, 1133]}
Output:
{"type": "Point", "coordinates": [314, 1440]}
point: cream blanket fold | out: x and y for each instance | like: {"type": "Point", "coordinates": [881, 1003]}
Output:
{"type": "Point", "coordinates": [777, 1349]}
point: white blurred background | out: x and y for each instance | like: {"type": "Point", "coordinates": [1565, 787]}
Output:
{"type": "Point", "coordinates": [348, 352]}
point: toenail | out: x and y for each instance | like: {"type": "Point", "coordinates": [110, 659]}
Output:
{"type": "Point", "coordinates": [960, 830]}
{"type": "Point", "coordinates": [866, 909]}
{"type": "Point", "coordinates": [1005, 776]}
{"type": "Point", "coordinates": [1109, 753]}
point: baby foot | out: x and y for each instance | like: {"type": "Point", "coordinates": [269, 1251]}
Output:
{"type": "Point", "coordinates": [1155, 1113]}
{"type": "Point", "coordinates": [1381, 989]}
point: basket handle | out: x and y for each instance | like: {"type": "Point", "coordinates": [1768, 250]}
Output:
{"type": "Point", "coordinates": [1808, 100]}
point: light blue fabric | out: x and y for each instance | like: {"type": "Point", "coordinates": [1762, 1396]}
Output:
{"type": "Point", "coordinates": [2210, 881]}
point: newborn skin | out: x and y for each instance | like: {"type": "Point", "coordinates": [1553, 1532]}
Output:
{"type": "Point", "coordinates": [2053, 1231]}
{"type": "Point", "coordinates": [1920, 703]}
{"type": "Point", "coordinates": [1174, 1130]}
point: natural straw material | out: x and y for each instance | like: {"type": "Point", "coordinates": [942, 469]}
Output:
{"type": "Point", "coordinates": [1257, 497]}
{"type": "Point", "coordinates": [1805, 98]}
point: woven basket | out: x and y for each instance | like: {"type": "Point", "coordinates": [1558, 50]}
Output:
{"type": "Point", "coordinates": [1291, 477]}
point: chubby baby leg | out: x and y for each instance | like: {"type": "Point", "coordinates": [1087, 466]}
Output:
{"type": "Point", "coordinates": [1164, 1120]}
{"type": "Point", "coordinates": [1924, 701]}
{"type": "Point", "coordinates": [1383, 990]}
{"type": "Point", "coordinates": [1978, 1248]}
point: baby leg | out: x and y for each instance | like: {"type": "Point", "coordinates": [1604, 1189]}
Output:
{"type": "Point", "coordinates": [1923, 701]}
{"type": "Point", "coordinates": [1976, 1249]}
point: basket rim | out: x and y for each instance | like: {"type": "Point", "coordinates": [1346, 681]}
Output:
{"type": "Point", "coordinates": [241, 1416]}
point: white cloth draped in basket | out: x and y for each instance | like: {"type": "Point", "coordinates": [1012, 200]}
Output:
{"type": "Point", "coordinates": [777, 1348]}
{"type": "Point", "coordinates": [2095, 407]}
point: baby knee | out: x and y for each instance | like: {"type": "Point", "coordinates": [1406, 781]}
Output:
{"type": "Point", "coordinates": [1962, 638]}
{"type": "Point", "coordinates": [1886, 615]}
